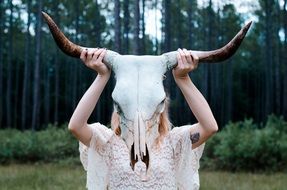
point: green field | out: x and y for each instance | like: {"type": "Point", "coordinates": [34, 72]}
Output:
{"type": "Point", "coordinates": [59, 177]}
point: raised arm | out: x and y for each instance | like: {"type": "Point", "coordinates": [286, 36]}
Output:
{"type": "Point", "coordinates": [78, 122]}
{"type": "Point", "coordinates": [206, 125]}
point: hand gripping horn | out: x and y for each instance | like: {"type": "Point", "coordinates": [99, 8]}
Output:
{"type": "Point", "coordinates": [69, 47]}
{"type": "Point", "coordinates": [217, 55]}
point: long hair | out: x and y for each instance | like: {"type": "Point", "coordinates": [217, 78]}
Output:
{"type": "Point", "coordinates": [163, 128]}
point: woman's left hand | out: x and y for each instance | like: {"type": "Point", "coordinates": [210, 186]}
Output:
{"type": "Point", "coordinates": [186, 62]}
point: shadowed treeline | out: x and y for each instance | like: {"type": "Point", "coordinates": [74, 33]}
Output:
{"type": "Point", "coordinates": [41, 85]}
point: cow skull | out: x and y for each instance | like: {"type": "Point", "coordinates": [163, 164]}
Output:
{"type": "Point", "coordinates": [139, 94]}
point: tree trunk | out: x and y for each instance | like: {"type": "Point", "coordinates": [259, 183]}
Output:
{"type": "Point", "coordinates": [57, 73]}
{"type": "Point", "coordinates": [136, 41]}
{"type": "Point", "coordinates": [67, 94]}
{"type": "Point", "coordinates": [117, 26]}
{"type": "Point", "coordinates": [74, 70]}
{"type": "Point", "coordinates": [156, 28]}
{"type": "Point", "coordinates": [206, 67]}
{"type": "Point", "coordinates": [228, 113]}
{"type": "Point", "coordinates": [167, 40]}
{"type": "Point", "coordinates": [126, 26]}
{"type": "Point", "coordinates": [217, 73]}
{"type": "Point", "coordinates": [178, 23]}
{"type": "Point", "coordinates": [143, 50]}
{"type": "Point", "coordinates": [211, 67]}
{"type": "Point", "coordinates": [16, 91]}
{"type": "Point", "coordinates": [9, 69]}
{"type": "Point", "coordinates": [36, 87]}
{"type": "Point", "coordinates": [46, 89]}
{"type": "Point", "coordinates": [27, 68]}
{"type": "Point", "coordinates": [285, 60]}
{"type": "Point", "coordinates": [177, 93]}
{"type": "Point", "coordinates": [277, 59]}
{"type": "Point", "coordinates": [228, 110]}
{"type": "Point", "coordinates": [190, 23]}
{"type": "Point", "coordinates": [99, 108]}
{"type": "Point", "coordinates": [167, 33]}
{"type": "Point", "coordinates": [1, 59]}
{"type": "Point", "coordinates": [97, 26]}
{"type": "Point", "coordinates": [268, 58]}
{"type": "Point", "coordinates": [57, 87]}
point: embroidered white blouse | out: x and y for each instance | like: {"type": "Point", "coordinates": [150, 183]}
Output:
{"type": "Point", "coordinates": [172, 166]}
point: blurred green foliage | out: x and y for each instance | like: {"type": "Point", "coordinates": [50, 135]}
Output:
{"type": "Point", "coordinates": [240, 146]}
{"type": "Point", "coordinates": [49, 145]}
{"type": "Point", "coordinates": [248, 146]}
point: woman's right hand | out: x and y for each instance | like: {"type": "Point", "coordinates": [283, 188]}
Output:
{"type": "Point", "coordinates": [93, 58]}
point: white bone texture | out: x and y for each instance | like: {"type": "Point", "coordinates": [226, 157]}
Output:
{"type": "Point", "coordinates": [139, 97]}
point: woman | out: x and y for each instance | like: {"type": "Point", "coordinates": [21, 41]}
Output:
{"type": "Point", "coordinates": [170, 159]}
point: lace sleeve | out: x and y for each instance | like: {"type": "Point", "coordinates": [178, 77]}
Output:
{"type": "Point", "coordinates": [186, 158]}
{"type": "Point", "coordinates": [93, 157]}
{"type": "Point", "coordinates": [101, 135]}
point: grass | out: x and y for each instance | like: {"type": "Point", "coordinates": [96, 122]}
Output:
{"type": "Point", "coordinates": [61, 177]}
{"type": "Point", "coordinates": [42, 177]}
{"type": "Point", "coordinates": [242, 181]}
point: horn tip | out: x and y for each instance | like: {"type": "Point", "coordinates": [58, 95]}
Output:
{"type": "Point", "coordinates": [45, 15]}
{"type": "Point", "coordinates": [247, 26]}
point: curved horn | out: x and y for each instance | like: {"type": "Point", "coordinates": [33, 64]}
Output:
{"type": "Point", "coordinates": [216, 55]}
{"type": "Point", "coordinates": [69, 47]}
{"type": "Point", "coordinates": [62, 41]}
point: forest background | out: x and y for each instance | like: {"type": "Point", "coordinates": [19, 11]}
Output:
{"type": "Point", "coordinates": [40, 85]}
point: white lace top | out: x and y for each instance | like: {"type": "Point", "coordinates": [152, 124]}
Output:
{"type": "Point", "coordinates": [172, 166]}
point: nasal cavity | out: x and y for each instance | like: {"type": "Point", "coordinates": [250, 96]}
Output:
{"type": "Point", "coordinates": [134, 159]}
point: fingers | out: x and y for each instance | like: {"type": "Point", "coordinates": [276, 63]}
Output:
{"type": "Point", "coordinates": [90, 54]}
{"type": "Point", "coordinates": [83, 56]}
{"type": "Point", "coordinates": [195, 59]}
{"type": "Point", "coordinates": [93, 58]}
{"type": "Point", "coordinates": [96, 53]}
{"type": "Point", "coordinates": [99, 55]}
{"type": "Point", "coordinates": [187, 56]}
{"type": "Point", "coordinates": [187, 60]}
{"type": "Point", "coordinates": [179, 61]}
{"type": "Point", "coordinates": [183, 56]}
{"type": "Point", "coordinates": [102, 55]}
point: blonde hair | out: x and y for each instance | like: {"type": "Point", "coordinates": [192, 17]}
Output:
{"type": "Point", "coordinates": [163, 128]}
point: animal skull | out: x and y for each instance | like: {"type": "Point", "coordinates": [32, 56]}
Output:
{"type": "Point", "coordinates": [139, 98]}
{"type": "Point", "coordinates": [139, 94]}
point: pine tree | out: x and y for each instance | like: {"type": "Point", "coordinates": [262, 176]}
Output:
{"type": "Point", "coordinates": [9, 69]}
{"type": "Point", "coordinates": [36, 86]}
{"type": "Point", "coordinates": [26, 69]}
